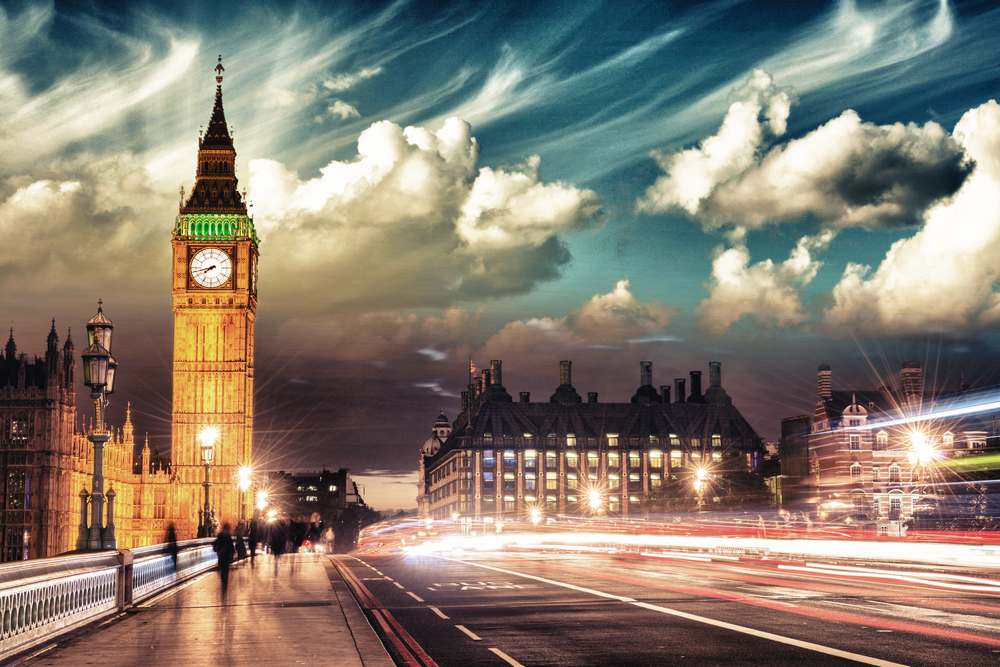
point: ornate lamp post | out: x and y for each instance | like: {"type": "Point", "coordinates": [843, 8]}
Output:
{"type": "Point", "coordinates": [244, 484]}
{"type": "Point", "coordinates": [208, 436]}
{"type": "Point", "coordinates": [99, 374]}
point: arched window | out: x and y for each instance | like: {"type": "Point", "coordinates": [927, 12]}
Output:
{"type": "Point", "coordinates": [894, 476]}
{"type": "Point", "coordinates": [855, 472]}
{"type": "Point", "coordinates": [882, 441]}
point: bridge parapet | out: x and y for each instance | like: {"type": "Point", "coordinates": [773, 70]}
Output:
{"type": "Point", "coordinates": [44, 598]}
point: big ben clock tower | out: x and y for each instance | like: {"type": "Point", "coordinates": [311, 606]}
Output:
{"type": "Point", "coordinates": [214, 289]}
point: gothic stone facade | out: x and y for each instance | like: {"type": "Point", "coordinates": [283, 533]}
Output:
{"type": "Point", "coordinates": [46, 459]}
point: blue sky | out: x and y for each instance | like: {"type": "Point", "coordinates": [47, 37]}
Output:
{"type": "Point", "coordinates": [772, 186]}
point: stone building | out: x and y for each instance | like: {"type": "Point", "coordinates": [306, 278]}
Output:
{"type": "Point", "coordinates": [872, 454]}
{"type": "Point", "coordinates": [566, 456]}
{"type": "Point", "coordinates": [46, 459]}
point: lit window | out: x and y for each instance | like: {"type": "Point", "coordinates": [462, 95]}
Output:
{"type": "Point", "coordinates": [656, 459]}
{"type": "Point", "coordinates": [593, 459]}
{"type": "Point", "coordinates": [550, 459]}
{"type": "Point", "coordinates": [716, 456]}
{"type": "Point", "coordinates": [570, 440]}
{"type": "Point", "coordinates": [572, 459]}
{"type": "Point", "coordinates": [572, 481]}
{"type": "Point", "coordinates": [551, 481]}
{"type": "Point", "coordinates": [530, 458]}
{"type": "Point", "coordinates": [634, 460]}
{"type": "Point", "coordinates": [655, 480]}
{"type": "Point", "coordinates": [613, 460]}
{"type": "Point", "coordinates": [614, 481]}
{"type": "Point", "coordinates": [612, 439]}
{"type": "Point", "coordinates": [717, 441]}
{"type": "Point", "coordinates": [674, 440]}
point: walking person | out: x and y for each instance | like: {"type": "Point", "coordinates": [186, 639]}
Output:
{"type": "Point", "coordinates": [254, 538]}
{"type": "Point", "coordinates": [277, 542]}
{"type": "Point", "coordinates": [223, 547]}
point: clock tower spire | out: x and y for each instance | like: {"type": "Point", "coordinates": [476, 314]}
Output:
{"type": "Point", "coordinates": [214, 290]}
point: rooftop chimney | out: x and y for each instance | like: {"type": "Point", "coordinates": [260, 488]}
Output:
{"type": "Point", "coordinates": [592, 397]}
{"type": "Point", "coordinates": [695, 387]}
{"type": "Point", "coordinates": [665, 393]}
{"type": "Point", "coordinates": [495, 365]}
{"type": "Point", "coordinates": [526, 397]}
{"type": "Point", "coordinates": [824, 381]}
{"type": "Point", "coordinates": [679, 390]}
{"type": "Point", "coordinates": [912, 380]}
{"type": "Point", "coordinates": [465, 401]}
{"type": "Point", "coordinates": [645, 373]}
{"type": "Point", "coordinates": [714, 374]}
{"type": "Point", "coordinates": [565, 392]}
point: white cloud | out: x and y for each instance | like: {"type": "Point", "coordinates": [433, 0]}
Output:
{"type": "Point", "coordinates": [845, 173]}
{"type": "Point", "coordinates": [341, 82]}
{"type": "Point", "coordinates": [412, 222]}
{"type": "Point", "coordinates": [765, 291]}
{"type": "Point", "coordinates": [618, 316]}
{"type": "Point", "coordinates": [943, 278]}
{"type": "Point", "coordinates": [343, 110]}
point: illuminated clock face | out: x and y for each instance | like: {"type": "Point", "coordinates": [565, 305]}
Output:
{"type": "Point", "coordinates": [211, 267]}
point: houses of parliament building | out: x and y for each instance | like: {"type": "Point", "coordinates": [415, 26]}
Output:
{"type": "Point", "coordinates": [46, 459]}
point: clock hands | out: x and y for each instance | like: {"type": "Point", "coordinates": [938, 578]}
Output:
{"type": "Point", "coordinates": [205, 270]}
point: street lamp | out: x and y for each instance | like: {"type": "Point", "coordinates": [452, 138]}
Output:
{"type": "Point", "coordinates": [99, 369]}
{"type": "Point", "coordinates": [244, 483]}
{"type": "Point", "coordinates": [595, 501]}
{"type": "Point", "coordinates": [700, 482]}
{"type": "Point", "coordinates": [920, 454]}
{"type": "Point", "coordinates": [208, 436]}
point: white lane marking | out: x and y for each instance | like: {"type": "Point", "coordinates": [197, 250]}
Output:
{"type": "Point", "coordinates": [701, 619]}
{"type": "Point", "coordinates": [473, 635]}
{"type": "Point", "coordinates": [174, 591]}
{"type": "Point", "coordinates": [864, 659]}
{"type": "Point", "coordinates": [414, 596]}
{"type": "Point", "coordinates": [505, 657]}
{"type": "Point", "coordinates": [876, 574]}
{"type": "Point", "coordinates": [928, 575]}
{"type": "Point", "coordinates": [548, 581]}
{"type": "Point", "coordinates": [399, 585]}
{"type": "Point", "coordinates": [430, 588]}
{"type": "Point", "coordinates": [437, 611]}
{"type": "Point", "coordinates": [388, 578]}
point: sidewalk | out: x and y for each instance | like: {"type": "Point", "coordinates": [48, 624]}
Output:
{"type": "Point", "coordinates": [305, 615]}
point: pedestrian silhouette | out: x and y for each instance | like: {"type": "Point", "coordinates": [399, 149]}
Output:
{"type": "Point", "coordinates": [241, 545]}
{"type": "Point", "coordinates": [277, 542]}
{"type": "Point", "coordinates": [172, 544]}
{"type": "Point", "coordinates": [223, 547]}
{"type": "Point", "coordinates": [254, 538]}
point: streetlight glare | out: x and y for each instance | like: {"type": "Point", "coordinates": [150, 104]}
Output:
{"type": "Point", "coordinates": [209, 434]}
{"type": "Point", "coordinates": [244, 475]}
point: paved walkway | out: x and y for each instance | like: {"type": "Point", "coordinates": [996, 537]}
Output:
{"type": "Point", "coordinates": [304, 615]}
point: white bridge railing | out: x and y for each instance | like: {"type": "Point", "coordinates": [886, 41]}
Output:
{"type": "Point", "coordinates": [42, 599]}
